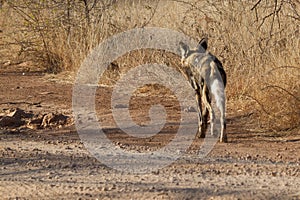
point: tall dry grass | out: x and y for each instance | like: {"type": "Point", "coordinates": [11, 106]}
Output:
{"type": "Point", "coordinates": [258, 42]}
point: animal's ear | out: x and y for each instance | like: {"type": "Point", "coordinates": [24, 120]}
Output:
{"type": "Point", "coordinates": [202, 44]}
{"type": "Point", "coordinates": [184, 49]}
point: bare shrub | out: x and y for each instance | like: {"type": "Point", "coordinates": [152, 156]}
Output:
{"type": "Point", "coordinates": [57, 34]}
{"type": "Point", "coordinates": [259, 45]}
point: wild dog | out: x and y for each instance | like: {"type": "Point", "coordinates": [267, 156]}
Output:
{"type": "Point", "coordinates": [207, 76]}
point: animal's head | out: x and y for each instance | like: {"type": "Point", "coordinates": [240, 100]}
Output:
{"type": "Point", "coordinates": [189, 56]}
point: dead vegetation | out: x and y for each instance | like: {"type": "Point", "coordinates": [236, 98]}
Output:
{"type": "Point", "coordinates": [258, 42]}
{"type": "Point", "coordinates": [17, 119]}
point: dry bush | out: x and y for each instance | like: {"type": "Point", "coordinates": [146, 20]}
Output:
{"type": "Point", "coordinates": [55, 34]}
{"type": "Point", "coordinates": [277, 96]}
{"type": "Point", "coordinates": [259, 45]}
{"type": "Point", "coordinates": [258, 42]}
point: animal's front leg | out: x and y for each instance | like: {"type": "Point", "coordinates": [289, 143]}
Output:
{"type": "Point", "coordinates": [201, 133]}
{"type": "Point", "coordinates": [191, 78]}
{"type": "Point", "coordinates": [197, 89]}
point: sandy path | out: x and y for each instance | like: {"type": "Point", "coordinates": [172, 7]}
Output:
{"type": "Point", "coordinates": [54, 164]}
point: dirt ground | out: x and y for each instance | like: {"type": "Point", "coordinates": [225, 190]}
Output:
{"type": "Point", "coordinates": [53, 163]}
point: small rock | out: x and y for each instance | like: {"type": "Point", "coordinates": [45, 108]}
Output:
{"type": "Point", "coordinates": [88, 195]}
{"type": "Point", "coordinates": [121, 106]}
{"type": "Point", "coordinates": [68, 148]}
{"type": "Point", "coordinates": [8, 149]}
{"type": "Point", "coordinates": [152, 188]}
{"type": "Point", "coordinates": [155, 172]}
{"type": "Point", "coordinates": [8, 121]}
{"type": "Point", "coordinates": [274, 173]}
{"type": "Point", "coordinates": [190, 109]}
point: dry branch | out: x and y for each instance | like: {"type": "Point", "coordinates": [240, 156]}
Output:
{"type": "Point", "coordinates": [257, 3]}
{"type": "Point", "coordinates": [281, 88]}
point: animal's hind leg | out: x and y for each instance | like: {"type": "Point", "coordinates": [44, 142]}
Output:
{"type": "Point", "coordinates": [223, 137]}
{"type": "Point", "coordinates": [209, 108]}
{"type": "Point", "coordinates": [205, 111]}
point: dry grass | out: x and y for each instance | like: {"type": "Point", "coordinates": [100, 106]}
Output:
{"type": "Point", "coordinates": [259, 44]}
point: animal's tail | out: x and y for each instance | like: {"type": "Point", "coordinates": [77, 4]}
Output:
{"type": "Point", "coordinates": [217, 88]}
